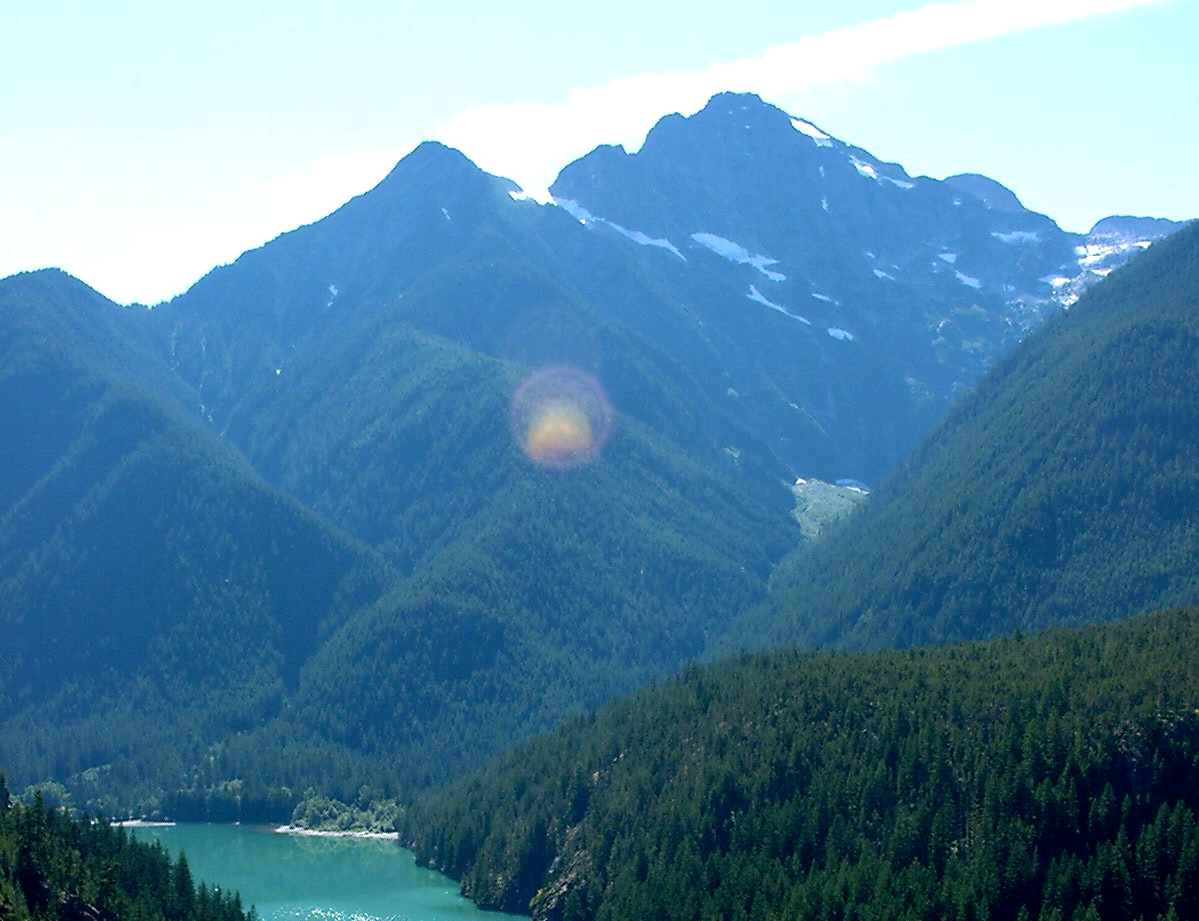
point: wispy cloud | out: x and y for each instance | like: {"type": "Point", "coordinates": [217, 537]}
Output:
{"type": "Point", "coordinates": [530, 142]}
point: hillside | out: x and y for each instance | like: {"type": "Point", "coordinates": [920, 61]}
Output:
{"type": "Point", "coordinates": [448, 466]}
{"type": "Point", "coordinates": [1032, 777]}
{"type": "Point", "coordinates": [392, 413]}
{"type": "Point", "coordinates": [1064, 488]}
{"type": "Point", "coordinates": [155, 594]}
{"type": "Point", "coordinates": [168, 614]}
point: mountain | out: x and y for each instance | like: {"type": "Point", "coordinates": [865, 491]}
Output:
{"type": "Point", "coordinates": [940, 781]}
{"type": "Point", "coordinates": [169, 614]}
{"type": "Point", "coordinates": [447, 466]}
{"type": "Point", "coordinates": [433, 283]}
{"type": "Point", "coordinates": [827, 306]}
{"type": "Point", "coordinates": [155, 593]}
{"type": "Point", "coordinates": [389, 408]}
{"type": "Point", "coordinates": [848, 303]}
{"type": "Point", "coordinates": [1065, 487]}
{"type": "Point", "coordinates": [843, 304]}
{"type": "Point", "coordinates": [604, 575]}
{"type": "Point", "coordinates": [1031, 777]}
{"type": "Point", "coordinates": [1108, 245]}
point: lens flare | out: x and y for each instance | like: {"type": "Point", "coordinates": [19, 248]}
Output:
{"type": "Point", "coordinates": [560, 418]}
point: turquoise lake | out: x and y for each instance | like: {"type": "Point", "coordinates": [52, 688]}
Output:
{"type": "Point", "coordinates": [331, 879]}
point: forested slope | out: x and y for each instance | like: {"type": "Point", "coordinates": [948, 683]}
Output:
{"type": "Point", "coordinates": [55, 868]}
{"type": "Point", "coordinates": [305, 525]}
{"type": "Point", "coordinates": [1032, 777]}
{"type": "Point", "coordinates": [179, 636]}
{"type": "Point", "coordinates": [1064, 488]}
{"type": "Point", "coordinates": [155, 594]}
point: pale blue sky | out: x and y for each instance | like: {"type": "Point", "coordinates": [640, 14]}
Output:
{"type": "Point", "coordinates": [143, 143]}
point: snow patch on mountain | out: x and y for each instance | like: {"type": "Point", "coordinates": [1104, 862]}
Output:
{"type": "Point", "coordinates": [1109, 245]}
{"type": "Point", "coordinates": [1100, 250]}
{"type": "Point", "coordinates": [968, 280]}
{"type": "Point", "coordinates": [864, 168]}
{"type": "Point", "coordinates": [735, 252]}
{"type": "Point", "coordinates": [870, 172]}
{"type": "Point", "coordinates": [646, 240]}
{"type": "Point", "coordinates": [1017, 236]}
{"type": "Point", "coordinates": [586, 218]}
{"type": "Point", "coordinates": [951, 258]}
{"type": "Point", "coordinates": [575, 210]}
{"type": "Point", "coordinates": [810, 130]}
{"type": "Point", "coordinates": [759, 297]}
{"type": "Point", "coordinates": [842, 335]}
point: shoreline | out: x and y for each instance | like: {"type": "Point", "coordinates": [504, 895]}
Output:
{"type": "Point", "coordinates": [276, 829]}
{"type": "Point", "coordinates": [315, 833]}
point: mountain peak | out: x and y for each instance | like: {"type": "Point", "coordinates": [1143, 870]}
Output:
{"type": "Point", "coordinates": [738, 103]}
{"type": "Point", "coordinates": [1126, 225]}
{"type": "Point", "coordinates": [735, 141]}
{"type": "Point", "coordinates": [748, 111]}
{"type": "Point", "coordinates": [732, 118]}
{"type": "Point", "coordinates": [434, 163]}
{"type": "Point", "coordinates": [56, 285]}
{"type": "Point", "coordinates": [994, 195]}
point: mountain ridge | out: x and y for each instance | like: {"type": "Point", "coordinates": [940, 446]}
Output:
{"type": "Point", "coordinates": [494, 432]}
{"type": "Point", "coordinates": [1085, 429]}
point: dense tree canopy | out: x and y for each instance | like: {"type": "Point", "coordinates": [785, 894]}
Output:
{"type": "Point", "coordinates": [55, 868]}
{"type": "Point", "coordinates": [1046, 777]}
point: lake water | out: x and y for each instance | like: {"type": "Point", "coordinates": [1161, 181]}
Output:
{"type": "Point", "coordinates": [290, 877]}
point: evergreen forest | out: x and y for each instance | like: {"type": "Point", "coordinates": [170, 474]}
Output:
{"type": "Point", "coordinates": [57, 868]}
{"type": "Point", "coordinates": [1053, 776]}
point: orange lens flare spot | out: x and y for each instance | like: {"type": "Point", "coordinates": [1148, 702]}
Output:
{"type": "Point", "coordinates": [558, 436]}
{"type": "Point", "coordinates": [560, 418]}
